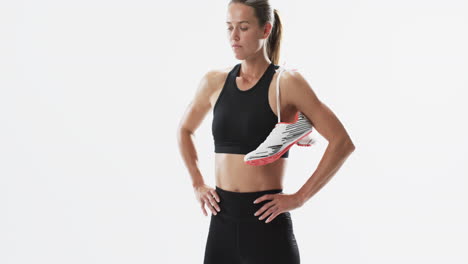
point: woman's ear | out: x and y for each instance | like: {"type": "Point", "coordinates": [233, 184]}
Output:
{"type": "Point", "coordinates": [267, 29]}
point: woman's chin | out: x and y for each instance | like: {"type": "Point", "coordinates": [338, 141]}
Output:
{"type": "Point", "coordinates": [239, 56]}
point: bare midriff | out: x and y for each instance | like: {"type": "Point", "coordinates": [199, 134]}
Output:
{"type": "Point", "coordinates": [233, 174]}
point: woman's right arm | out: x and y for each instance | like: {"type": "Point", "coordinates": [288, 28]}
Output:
{"type": "Point", "coordinates": [193, 116]}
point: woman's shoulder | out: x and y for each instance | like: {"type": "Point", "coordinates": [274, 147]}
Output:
{"type": "Point", "coordinates": [218, 75]}
{"type": "Point", "coordinates": [291, 76]}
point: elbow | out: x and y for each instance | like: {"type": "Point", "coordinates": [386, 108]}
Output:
{"type": "Point", "coordinates": [181, 132]}
{"type": "Point", "coordinates": [345, 144]}
{"type": "Point", "coordinates": [352, 148]}
{"type": "Point", "coordinates": [350, 145]}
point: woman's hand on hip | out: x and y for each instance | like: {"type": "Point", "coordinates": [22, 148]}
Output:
{"type": "Point", "coordinates": [279, 203]}
{"type": "Point", "coordinates": [207, 195]}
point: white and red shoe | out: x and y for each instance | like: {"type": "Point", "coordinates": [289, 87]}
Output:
{"type": "Point", "coordinates": [283, 136]}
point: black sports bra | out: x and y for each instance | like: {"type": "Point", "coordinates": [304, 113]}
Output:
{"type": "Point", "coordinates": [243, 119]}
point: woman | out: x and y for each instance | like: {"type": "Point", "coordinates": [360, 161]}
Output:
{"type": "Point", "coordinates": [250, 221]}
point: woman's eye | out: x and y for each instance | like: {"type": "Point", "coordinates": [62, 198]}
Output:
{"type": "Point", "coordinates": [243, 29]}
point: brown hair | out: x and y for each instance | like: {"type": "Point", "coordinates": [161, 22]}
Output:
{"type": "Point", "coordinates": [263, 13]}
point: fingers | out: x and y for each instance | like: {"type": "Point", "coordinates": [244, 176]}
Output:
{"type": "Point", "coordinates": [271, 210]}
{"type": "Point", "coordinates": [264, 207]}
{"type": "Point", "coordinates": [273, 216]}
{"type": "Point", "coordinates": [211, 198]}
{"type": "Point", "coordinates": [213, 192]}
{"type": "Point", "coordinates": [263, 198]}
{"type": "Point", "coordinates": [214, 202]}
{"type": "Point", "coordinates": [270, 197]}
{"type": "Point", "coordinates": [209, 205]}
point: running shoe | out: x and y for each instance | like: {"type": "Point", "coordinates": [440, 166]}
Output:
{"type": "Point", "coordinates": [283, 136]}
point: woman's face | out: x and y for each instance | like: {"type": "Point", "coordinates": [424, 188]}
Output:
{"type": "Point", "coordinates": [243, 30]}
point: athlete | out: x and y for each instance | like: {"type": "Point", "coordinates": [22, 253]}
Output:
{"type": "Point", "coordinates": [250, 214]}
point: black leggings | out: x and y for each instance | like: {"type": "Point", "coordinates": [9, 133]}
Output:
{"type": "Point", "coordinates": [236, 236]}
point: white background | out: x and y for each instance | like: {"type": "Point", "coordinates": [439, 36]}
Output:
{"type": "Point", "coordinates": [91, 93]}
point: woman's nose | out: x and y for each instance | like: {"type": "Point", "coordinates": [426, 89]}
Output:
{"type": "Point", "coordinates": [234, 35]}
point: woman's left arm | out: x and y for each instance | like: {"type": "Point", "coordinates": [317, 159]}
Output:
{"type": "Point", "coordinates": [298, 93]}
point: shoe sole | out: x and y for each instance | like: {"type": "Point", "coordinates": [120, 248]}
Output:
{"type": "Point", "coordinates": [270, 159]}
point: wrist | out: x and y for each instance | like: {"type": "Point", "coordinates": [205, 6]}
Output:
{"type": "Point", "coordinates": [301, 197]}
{"type": "Point", "coordinates": [195, 185]}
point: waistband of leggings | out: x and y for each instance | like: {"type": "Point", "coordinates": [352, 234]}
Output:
{"type": "Point", "coordinates": [246, 195]}
{"type": "Point", "coordinates": [240, 204]}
